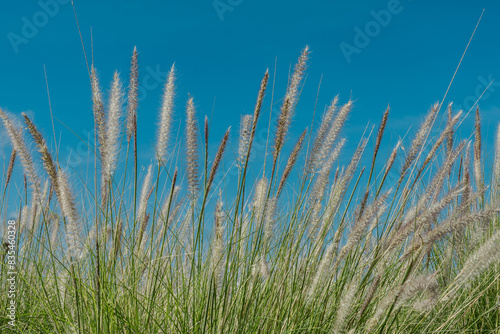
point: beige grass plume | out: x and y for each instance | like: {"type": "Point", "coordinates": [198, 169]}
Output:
{"type": "Point", "coordinates": [10, 168]}
{"type": "Point", "coordinates": [166, 112]}
{"type": "Point", "coordinates": [321, 134]}
{"type": "Point", "coordinates": [48, 162]}
{"type": "Point", "coordinates": [419, 140]}
{"type": "Point", "coordinates": [258, 107]}
{"type": "Point", "coordinates": [16, 136]}
{"type": "Point", "coordinates": [191, 149]}
{"type": "Point", "coordinates": [245, 134]}
{"type": "Point", "coordinates": [480, 260]}
{"type": "Point", "coordinates": [260, 198]}
{"type": "Point", "coordinates": [68, 206]}
{"type": "Point", "coordinates": [132, 96]}
{"type": "Point", "coordinates": [217, 160]}
{"type": "Point", "coordinates": [289, 102]}
{"type": "Point", "coordinates": [333, 133]}
{"type": "Point", "coordinates": [99, 115]}
{"type": "Point", "coordinates": [477, 151]}
{"type": "Point", "coordinates": [496, 168]}
{"type": "Point", "coordinates": [292, 159]}
{"type": "Point", "coordinates": [113, 129]}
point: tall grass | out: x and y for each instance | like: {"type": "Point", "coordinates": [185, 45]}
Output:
{"type": "Point", "coordinates": [408, 244]}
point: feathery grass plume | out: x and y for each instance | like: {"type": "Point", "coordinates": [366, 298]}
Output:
{"type": "Point", "coordinates": [419, 140]}
{"type": "Point", "coordinates": [466, 164]}
{"type": "Point", "coordinates": [217, 160]}
{"type": "Point", "coordinates": [269, 219]}
{"type": "Point", "coordinates": [346, 302]}
{"type": "Point", "coordinates": [289, 103]}
{"type": "Point", "coordinates": [99, 115]}
{"type": "Point", "coordinates": [449, 136]}
{"type": "Point", "coordinates": [326, 121]}
{"type": "Point", "coordinates": [291, 162]}
{"type": "Point", "coordinates": [436, 184]}
{"type": "Point", "coordinates": [334, 132]}
{"type": "Point", "coordinates": [98, 106]}
{"type": "Point", "coordinates": [166, 112]}
{"type": "Point", "coordinates": [264, 268]}
{"type": "Point", "coordinates": [23, 219]}
{"type": "Point", "coordinates": [107, 234]}
{"type": "Point", "coordinates": [258, 107]}
{"type": "Point", "coordinates": [48, 162]}
{"type": "Point", "coordinates": [480, 260]}
{"type": "Point", "coordinates": [380, 134]}
{"type": "Point", "coordinates": [260, 198]}
{"type": "Point", "coordinates": [118, 238]}
{"type": "Point", "coordinates": [141, 239]}
{"type": "Point", "coordinates": [345, 176]}
{"type": "Point", "coordinates": [143, 203]}
{"type": "Point", "coordinates": [191, 149]}
{"type": "Point", "coordinates": [10, 168]}
{"type": "Point", "coordinates": [245, 133]}
{"type": "Point", "coordinates": [68, 206]}
{"type": "Point", "coordinates": [132, 96]}
{"type": "Point", "coordinates": [464, 208]}
{"type": "Point", "coordinates": [477, 151]}
{"type": "Point", "coordinates": [315, 217]}
{"type": "Point", "coordinates": [362, 205]}
{"type": "Point", "coordinates": [16, 137]}
{"type": "Point", "coordinates": [217, 260]}
{"type": "Point", "coordinates": [391, 159]}
{"type": "Point", "coordinates": [259, 269]}
{"type": "Point", "coordinates": [205, 131]}
{"type": "Point", "coordinates": [496, 168]}
{"type": "Point", "coordinates": [112, 134]}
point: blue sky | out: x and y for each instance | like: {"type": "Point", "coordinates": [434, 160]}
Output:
{"type": "Point", "coordinates": [222, 48]}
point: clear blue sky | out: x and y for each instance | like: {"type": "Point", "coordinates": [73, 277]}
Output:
{"type": "Point", "coordinates": [222, 48]}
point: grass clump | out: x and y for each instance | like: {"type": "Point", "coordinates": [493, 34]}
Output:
{"type": "Point", "coordinates": [408, 248]}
